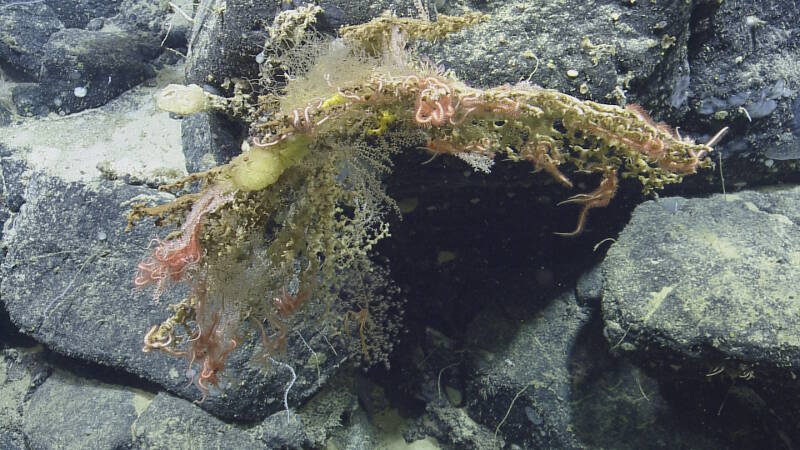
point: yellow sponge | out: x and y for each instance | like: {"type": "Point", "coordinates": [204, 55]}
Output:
{"type": "Point", "coordinates": [259, 168]}
{"type": "Point", "coordinates": [256, 169]}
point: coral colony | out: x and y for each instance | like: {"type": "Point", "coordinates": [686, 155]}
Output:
{"type": "Point", "coordinates": [281, 235]}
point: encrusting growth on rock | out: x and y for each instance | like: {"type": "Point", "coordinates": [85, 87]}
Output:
{"type": "Point", "coordinates": [284, 231]}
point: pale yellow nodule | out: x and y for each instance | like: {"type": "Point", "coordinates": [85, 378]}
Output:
{"type": "Point", "coordinates": [183, 100]}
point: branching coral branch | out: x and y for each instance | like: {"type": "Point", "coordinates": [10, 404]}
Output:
{"type": "Point", "coordinates": [459, 120]}
{"type": "Point", "coordinates": [309, 192]}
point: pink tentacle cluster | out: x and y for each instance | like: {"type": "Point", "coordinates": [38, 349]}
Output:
{"type": "Point", "coordinates": [438, 103]}
{"type": "Point", "coordinates": [435, 103]}
{"type": "Point", "coordinates": [300, 120]}
{"type": "Point", "coordinates": [172, 259]}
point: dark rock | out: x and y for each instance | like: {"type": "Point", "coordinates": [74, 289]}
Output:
{"type": "Point", "coordinates": [705, 293]}
{"type": "Point", "coordinates": [12, 180]}
{"type": "Point", "coordinates": [453, 426]}
{"type": "Point", "coordinates": [177, 38]}
{"type": "Point", "coordinates": [22, 370]}
{"type": "Point", "coordinates": [12, 174]}
{"type": "Point", "coordinates": [358, 434]}
{"type": "Point", "coordinates": [167, 420]}
{"type": "Point", "coordinates": [329, 410]}
{"type": "Point", "coordinates": [76, 233]}
{"type": "Point", "coordinates": [79, 69]}
{"type": "Point", "coordinates": [85, 69]}
{"type": "Point", "coordinates": [334, 16]}
{"type": "Point", "coordinates": [12, 441]}
{"type": "Point", "coordinates": [347, 12]}
{"type": "Point", "coordinates": [717, 283]}
{"type": "Point", "coordinates": [150, 17]}
{"type": "Point", "coordinates": [589, 290]}
{"type": "Point", "coordinates": [616, 405]}
{"type": "Point", "coordinates": [24, 30]}
{"type": "Point", "coordinates": [542, 378]}
{"type": "Point", "coordinates": [67, 280]}
{"type": "Point", "coordinates": [78, 13]}
{"type": "Point", "coordinates": [612, 46]}
{"type": "Point", "coordinates": [796, 113]}
{"type": "Point", "coordinates": [743, 60]}
{"type": "Point", "coordinates": [284, 430]}
{"type": "Point", "coordinates": [29, 100]}
{"type": "Point", "coordinates": [5, 116]}
{"type": "Point", "coordinates": [67, 410]}
{"type": "Point", "coordinates": [525, 360]}
{"type": "Point", "coordinates": [225, 44]}
{"type": "Point", "coordinates": [210, 139]}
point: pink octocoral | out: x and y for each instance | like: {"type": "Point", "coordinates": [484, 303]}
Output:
{"type": "Point", "coordinates": [171, 260]}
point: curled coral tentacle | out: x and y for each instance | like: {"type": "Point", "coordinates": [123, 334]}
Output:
{"type": "Point", "coordinates": [211, 345]}
{"type": "Point", "coordinates": [598, 198]}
